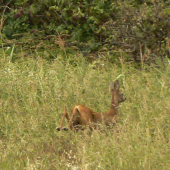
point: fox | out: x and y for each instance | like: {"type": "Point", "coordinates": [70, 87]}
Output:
{"type": "Point", "coordinates": [82, 117]}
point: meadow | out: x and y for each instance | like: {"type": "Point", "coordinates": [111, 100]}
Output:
{"type": "Point", "coordinates": [34, 93]}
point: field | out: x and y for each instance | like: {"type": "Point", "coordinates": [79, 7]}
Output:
{"type": "Point", "coordinates": [34, 93]}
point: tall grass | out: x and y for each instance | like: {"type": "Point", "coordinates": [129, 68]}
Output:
{"type": "Point", "coordinates": [34, 93]}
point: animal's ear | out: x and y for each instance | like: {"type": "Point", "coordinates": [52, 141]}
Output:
{"type": "Point", "coordinates": [111, 86]}
{"type": "Point", "coordinates": [116, 85]}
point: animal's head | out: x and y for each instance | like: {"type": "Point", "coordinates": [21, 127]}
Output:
{"type": "Point", "coordinates": [117, 94]}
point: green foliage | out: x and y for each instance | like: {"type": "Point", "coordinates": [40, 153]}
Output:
{"type": "Point", "coordinates": [135, 27]}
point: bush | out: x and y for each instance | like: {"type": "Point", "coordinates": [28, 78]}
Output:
{"type": "Point", "coordinates": [136, 27]}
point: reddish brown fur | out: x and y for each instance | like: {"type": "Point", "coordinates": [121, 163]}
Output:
{"type": "Point", "coordinates": [82, 116]}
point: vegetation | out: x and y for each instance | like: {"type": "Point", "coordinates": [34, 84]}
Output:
{"type": "Point", "coordinates": [55, 54]}
{"type": "Point", "coordinates": [35, 92]}
{"type": "Point", "coordinates": [90, 27]}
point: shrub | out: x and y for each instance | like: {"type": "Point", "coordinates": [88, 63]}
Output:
{"type": "Point", "coordinates": [135, 27]}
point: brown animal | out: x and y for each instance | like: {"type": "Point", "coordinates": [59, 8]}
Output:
{"type": "Point", "coordinates": [82, 116]}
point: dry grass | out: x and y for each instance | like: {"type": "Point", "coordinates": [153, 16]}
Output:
{"type": "Point", "coordinates": [33, 94]}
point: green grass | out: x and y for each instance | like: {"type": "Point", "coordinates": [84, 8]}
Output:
{"type": "Point", "coordinates": [34, 93]}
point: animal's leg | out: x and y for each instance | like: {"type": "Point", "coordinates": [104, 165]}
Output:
{"type": "Point", "coordinates": [63, 119]}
